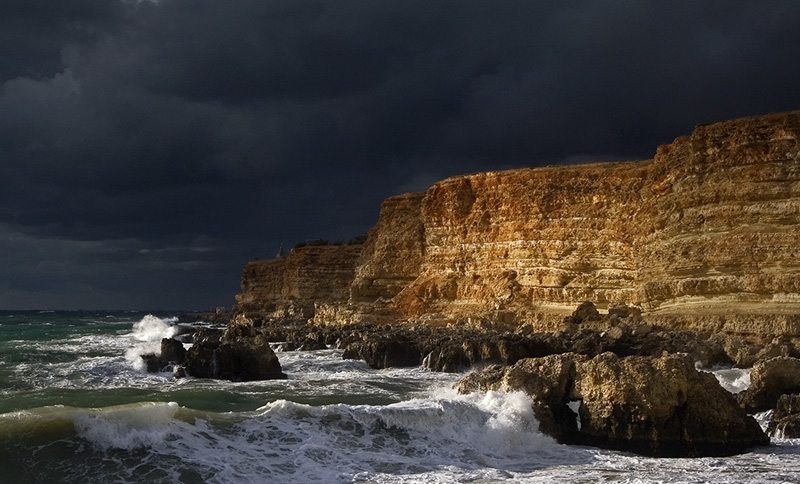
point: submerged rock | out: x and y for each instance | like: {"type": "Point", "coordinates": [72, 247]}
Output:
{"type": "Point", "coordinates": [652, 406]}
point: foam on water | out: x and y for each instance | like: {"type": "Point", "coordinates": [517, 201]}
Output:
{"type": "Point", "coordinates": [445, 437]}
{"type": "Point", "coordinates": [92, 417]}
{"type": "Point", "coordinates": [735, 380]}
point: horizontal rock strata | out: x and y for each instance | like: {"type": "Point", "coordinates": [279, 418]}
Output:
{"type": "Point", "coordinates": [290, 286]}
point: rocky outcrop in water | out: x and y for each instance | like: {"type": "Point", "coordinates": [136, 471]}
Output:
{"type": "Point", "coordinates": [238, 353]}
{"type": "Point", "coordinates": [654, 406]}
{"type": "Point", "coordinates": [785, 423]}
{"type": "Point", "coordinates": [769, 380]}
{"type": "Point", "coordinates": [172, 355]}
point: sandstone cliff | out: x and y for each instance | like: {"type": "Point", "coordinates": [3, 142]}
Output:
{"type": "Point", "coordinates": [703, 236]}
{"type": "Point", "coordinates": [290, 286]}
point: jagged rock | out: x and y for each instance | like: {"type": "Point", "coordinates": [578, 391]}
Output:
{"type": "Point", "coordinates": [662, 406]}
{"type": "Point", "coordinates": [653, 406]}
{"type": "Point", "coordinates": [154, 363]}
{"type": "Point", "coordinates": [785, 423]}
{"type": "Point", "coordinates": [172, 351]}
{"type": "Point", "coordinates": [384, 352]}
{"type": "Point", "coordinates": [240, 353]}
{"type": "Point", "coordinates": [768, 381]}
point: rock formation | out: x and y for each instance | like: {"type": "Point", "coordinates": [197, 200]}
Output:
{"type": "Point", "coordinates": [770, 379]}
{"type": "Point", "coordinates": [653, 406]}
{"type": "Point", "coordinates": [239, 353]}
{"type": "Point", "coordinates": [290, 286]}
{"type": "Point", "coordinates": [785, 421]}
{"type": "Point", "coordinates": [702, 237]}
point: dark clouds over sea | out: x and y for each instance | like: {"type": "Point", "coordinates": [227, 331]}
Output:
{"type": "Point", "coordinates": [149, 149]}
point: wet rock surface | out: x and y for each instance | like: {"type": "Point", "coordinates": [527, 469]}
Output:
{"type": "Point", "coordinates": [653, 406]}
{"type": "Point", "coordinates": [785, 421]}
{"type": "Point", "coordinates": [770, 379]}
{"type": "Point", "coordinates": [238, 353]}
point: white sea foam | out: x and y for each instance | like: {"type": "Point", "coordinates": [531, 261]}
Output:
{"type": "Point", "coordinates": [151, 329]}
{"type": "Point", "coordinates": [148, 332]}
{"type": "Point", "coordinates": [478, 435]}
{"type": "Point", "coordinates": [735, 380]}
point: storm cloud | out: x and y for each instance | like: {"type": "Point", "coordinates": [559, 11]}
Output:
{"type": "Point", "coordinates": [148, 149]}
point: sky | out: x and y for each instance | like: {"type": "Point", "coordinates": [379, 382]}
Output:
{"type": "Point", "coordinates": [149, 149]}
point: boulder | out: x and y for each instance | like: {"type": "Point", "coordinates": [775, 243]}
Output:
{"type": "Point", "coordinates": [586, 311]}
{"type": "Point", "coordinates": [770, 379]}
{"type": "Point", "coordinates": [653, 406]}
{"type": "Point", "coordinates": [785, 423]}
{"type": "Point", "coordinates": [660, 406]}
{"type": "Point", "coordinates": [240, 353]}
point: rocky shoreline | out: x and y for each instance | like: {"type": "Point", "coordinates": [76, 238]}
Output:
{"type": "Point", "coordinates": [603, 380]}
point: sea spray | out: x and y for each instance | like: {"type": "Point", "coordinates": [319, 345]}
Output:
{"type": "Point", "coordinates": [735, 380]}
{"type": "Point", "coordinates": [148, 332]}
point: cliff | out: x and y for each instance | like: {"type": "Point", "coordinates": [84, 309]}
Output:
{"type": "Point", "coordinates": [703, 236]}
{"type": "Point", "coordinates": [290, 286]}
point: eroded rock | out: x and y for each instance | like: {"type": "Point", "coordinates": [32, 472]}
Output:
{"type": "Point", "coordinates": [785, 423]}
{"type": "Point", "coordinates": [769, 380]}
{"type": "Point", "coordinates": [239, 353]}
{"type": "Point", "coordinates": [653, 406]}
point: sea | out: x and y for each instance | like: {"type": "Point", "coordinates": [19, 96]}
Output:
{"type": "Point", "coordinates": [77, 406]}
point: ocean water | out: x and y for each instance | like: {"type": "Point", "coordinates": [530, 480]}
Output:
{"type": "Point", "coordinates": [77, 406]}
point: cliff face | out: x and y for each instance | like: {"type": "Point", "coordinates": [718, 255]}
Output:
{"type": "Point", "coordinates": [394, 251]}
{"type": "Point", "coordinates": [726, 219]}
{"type": "Point", "coordinates": [710, 226]}
{"type": "Point", "coordinates": [706, 235]}
{"type": "Point", "coordinates": [292, 285]}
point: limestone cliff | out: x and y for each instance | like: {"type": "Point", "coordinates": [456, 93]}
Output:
{"type": "Point", "coordinates": [290, 286]}
{"type": "Point", "coordinates": [703, 236]}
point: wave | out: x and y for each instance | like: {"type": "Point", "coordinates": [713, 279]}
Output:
{"type": "Point", "coordinates": [120, 426]}
{"type": "Point", "coordinates": [488, 436]}
{"type": "Point", "coordinates": [444, 437]}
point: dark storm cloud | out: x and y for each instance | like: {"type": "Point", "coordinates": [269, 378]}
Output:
{"type": "Point", "coordinates": [149, 148]}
